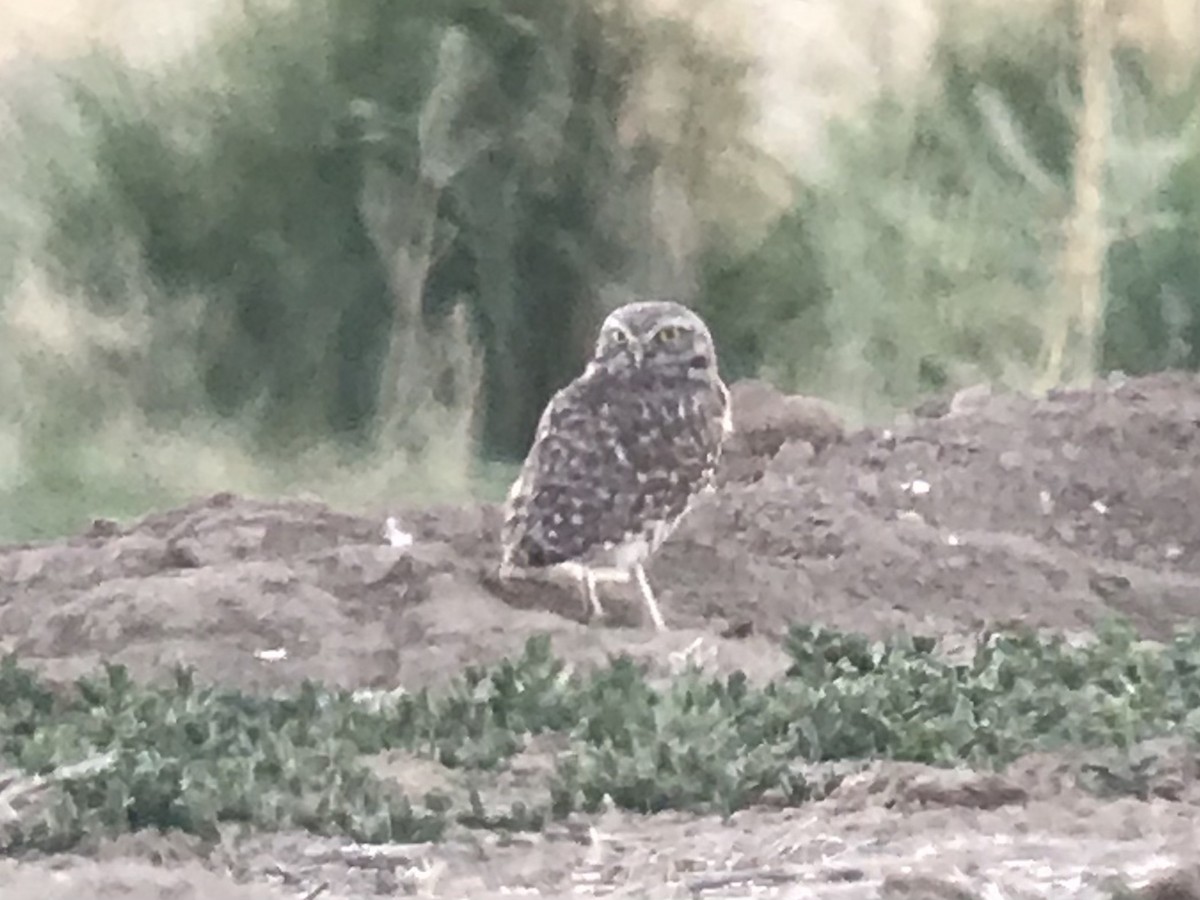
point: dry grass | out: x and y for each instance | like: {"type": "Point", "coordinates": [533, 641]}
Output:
{"type": "Point", "coordinates": [75, 442]}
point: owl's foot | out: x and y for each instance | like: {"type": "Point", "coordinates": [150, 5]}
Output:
{"type": "Point", "coordinates": [589, 577]}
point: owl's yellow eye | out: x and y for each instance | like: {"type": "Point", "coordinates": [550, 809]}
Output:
{"type": "Point", "coordinates": [666, 334]}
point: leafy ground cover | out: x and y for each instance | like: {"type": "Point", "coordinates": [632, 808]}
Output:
{"type": "Point", "coordinates": [190, 757]}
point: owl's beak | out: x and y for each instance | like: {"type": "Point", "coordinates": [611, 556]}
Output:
{"type": "Point", "coordinates": [638, 351]}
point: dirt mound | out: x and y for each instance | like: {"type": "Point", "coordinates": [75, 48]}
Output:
{"type": "Point", "coordinates": [981, 508]}
{"type": "Point", "coordinates": [1057, 511]}
{"type": "Point", "coordinates": [260, 594]}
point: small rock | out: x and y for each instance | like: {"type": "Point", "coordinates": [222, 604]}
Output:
{"type": "Point", "coordinates": [876, 458]}
{"type": "Point", "coordinates": [1182, 884]}
{"type": "Point", "coordinates": [1010, 460]}
{"type": "Point", "coordinates": [966, 789]}
{"type": "Point", "coordinates": [923, 887]}
{"type": "Point", "coordinates": [845, 874]}
{"type": "Point", "coordinates": [103, 528]}
{"type": "Point", "coordinates": [737, 630]}
{"type": "Point", "coordinates": [1046, 502]}
{"type": "Point", "coordinates": [933, 408]}
{"type": "Point", "coordinates": [970, 399]}
{"type": "Point", "coordinates": [868, 486]}
{"type": "Point", "coordinates": [182, 553]}
{"type": "Point", "coordinates": [1108, 585]}
{"type": "Point", "coordinates": [794, 456]}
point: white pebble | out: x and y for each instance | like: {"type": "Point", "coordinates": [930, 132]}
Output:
{"type": "Point", "coordinates": [395, 537]}
{"type": "Point", "coordinates": [917, 487]}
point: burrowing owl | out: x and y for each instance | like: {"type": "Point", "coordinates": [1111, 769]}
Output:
{"type": "Point", "coordinates": [620, 453]}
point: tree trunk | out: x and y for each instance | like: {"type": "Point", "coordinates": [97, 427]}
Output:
{"type": "Point", "coordinates": [1071, 351]}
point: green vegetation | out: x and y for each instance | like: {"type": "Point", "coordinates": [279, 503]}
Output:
{"type": "Point", "coordinates": [193, 757]}
{"type": "Point", "coordinates": [932, 251]}
{"type": "Point", "coordinates": [358, 257]}
{"type": "Point", "coordinates": [360, 254]}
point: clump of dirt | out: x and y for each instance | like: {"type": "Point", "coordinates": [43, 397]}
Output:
{"type": "Point", "coordinates": [1182, 884]}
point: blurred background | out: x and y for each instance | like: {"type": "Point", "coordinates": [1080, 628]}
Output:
{"type": "Point", "coordinates": [348, 248]}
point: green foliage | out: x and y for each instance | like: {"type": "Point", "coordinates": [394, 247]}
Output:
{"type": "Point", "coordinates": [275, 188]}
{"type": "Point", "coordinates": [194, 757]}
{"type": "Point", "coordinates": [698, 744]}
{"type": "Point", "coordinates": [357, 256]}
{"type": "Point", "coordinates": [927, 253]}
{"type": "Point", "coordinates": [921, 257]}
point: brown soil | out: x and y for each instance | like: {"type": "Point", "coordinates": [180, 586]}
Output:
{"type": "Point", "coordinates": [1057, 512]}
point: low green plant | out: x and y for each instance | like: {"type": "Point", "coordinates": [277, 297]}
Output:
{"type": "Point", "coordinates": [193, 757]}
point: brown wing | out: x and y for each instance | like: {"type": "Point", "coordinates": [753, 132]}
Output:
{"type": "Point", "coordinates": [614, 453]}
{"type": "Point", "coordinates": [576, 488]}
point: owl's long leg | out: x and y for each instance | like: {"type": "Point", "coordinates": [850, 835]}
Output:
{"type": "Point", "coordinates": [589, 586]}
{"type": "Point", "coordinates": [648, 595]}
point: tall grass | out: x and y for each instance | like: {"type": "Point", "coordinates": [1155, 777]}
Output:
{"type": "Point", "coordinates": [105, 400]}
{"type": "Point", "coordinates": [77, 441]}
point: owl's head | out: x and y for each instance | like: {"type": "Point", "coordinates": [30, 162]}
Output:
{"type": "Point", "coordinates": [659, 335]}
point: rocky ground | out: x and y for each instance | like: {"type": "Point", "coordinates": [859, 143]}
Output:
{"type": "Point", "coordinates": [1057, 512]}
